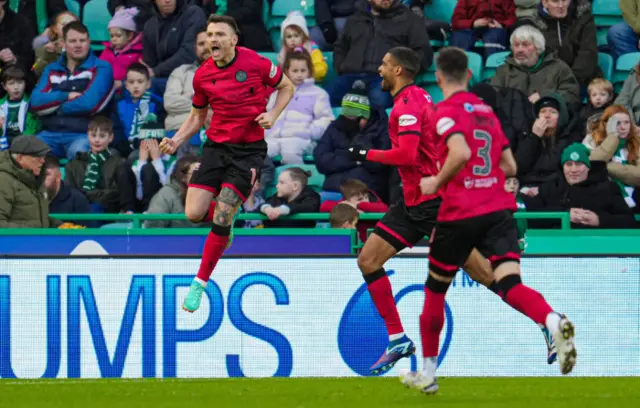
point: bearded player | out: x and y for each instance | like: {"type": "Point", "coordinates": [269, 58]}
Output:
{"type": "Point", "coordinates": [235, 83]}
{"type": "Point", "coordinates": [476, 212]}
{"type": "Point", "coordinates": [413, 217]}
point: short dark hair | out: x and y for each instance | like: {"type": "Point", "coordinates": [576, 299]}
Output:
{"type": "Point", "coordinates": [200, 30]}
{"type": "Point", "coordinates": [228, 20]}
{"type": "Point", "coordinates": [453, 63]}
{"type": "Point", "coordinates": [299, 175]}
{"type": "Point", "coordinates": [101, 123]}
{"type": "Point", "coordinates": [139, 68]}
{"type": "Point", "coordinates": [408, 59]}
{"type": "Point", "coordinates": [352, 188]}
{"type": "Point", "coordinates": [299, 54]}
{"type": "Point", "coordinates": [51, 161]}
{"type": "Point", "coordinates": [342, 213]}
{"type": "Point", "coordinates": [75, 26]}
{"type": "Point", "coordinates": [12, 72]}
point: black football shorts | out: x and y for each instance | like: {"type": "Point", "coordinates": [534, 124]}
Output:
{"type": "Point", "coordinates": [404, 226]}
{"type": "Point", "coordinates": [236, 166]}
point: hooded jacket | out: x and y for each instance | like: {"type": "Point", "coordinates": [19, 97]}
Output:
{"type": "Point", "coordinates": [332, 158]}
{"type": "Point", "coordinates": [16, 33]}
{"type": "Point", "coordinates": [320, 66]}
{"type": "Point", "coordinates": [597, 193]}
{"type": "Point", "coordinates": [629, 96]}
{"type": "Point", "coordinates": [168, 42]}
{"type": "Point", "coordinates": [468, 11]}
{"type": "Point", "coordinates": [168, 201]}
{"type": "Point", "coordinates": [550, 74]}
{"type": "Point", "coordinates": [23, 200]}
{"type": "Point", "coordinates": [122, 59]}
{"type": "Point", "coordinates": [366, 38]}
{"type": "Point", "coordinates": [573, 38]}
{"type": "Point", "coordinates": [538, 158]}
{"type": "Point", "coordinates": [178, 95]}
{"type": "Point", "coordinates": [307, 202]}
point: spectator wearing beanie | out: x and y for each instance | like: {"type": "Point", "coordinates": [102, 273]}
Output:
{"type": "Point", "coordinates": [125, 47]}
{"type": "Point", "coordinates": [144, 7]}
{"type": "Point", "coordinates": [358, 124]}
{"type": "Point", "coordinates": [584, 190]}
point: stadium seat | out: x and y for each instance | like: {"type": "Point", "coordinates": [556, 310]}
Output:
{"type": "Point", "coordinates": [440, 10]}
{"type": "Point", "coordinates": [73, 6]}
{"type": "Point", "coordinates": [475, 65]}
{"type": "Point", "coordinates": [63, 172]}
{"type": "Point", "coordinates": [492, 64]}
{"type": "Point", "coordinates": [331, 73]}
{"type": "Point", "coordinates": [606, 12]}
{"type": "Point", "coordinates": [624, 66]}
{"type": "Point", "coordinates": [389, 111]}
{"type": "Point", "coordinates": [337, 111]}
{"type": "Point", "coordinates": [606, 64]}
{"type": "Point", "coordinates": [330, 196]}
{"type": "Point", "coordinates": [279, 11]}
{"type": "Point", "coordinates": [96, 17]}
{"type": "Point", "coordinates": [272, 56]}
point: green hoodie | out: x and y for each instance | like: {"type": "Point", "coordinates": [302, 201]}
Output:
{"type": "Point", "coordinates": [23, 201]}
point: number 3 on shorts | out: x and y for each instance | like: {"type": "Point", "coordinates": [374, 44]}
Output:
{"type": "Point", "coordinates": [483, 153]}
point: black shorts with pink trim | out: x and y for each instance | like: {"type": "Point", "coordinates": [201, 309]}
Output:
{"type": "Point", "coordinates": [495, 235]}
{"type": "Point", "coordinates": [236, 166]}
{"type": "Point", "coordinates": [404, 226]}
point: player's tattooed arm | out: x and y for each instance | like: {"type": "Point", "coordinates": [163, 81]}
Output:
{"type": "Point", "coordinates": [227, 205]}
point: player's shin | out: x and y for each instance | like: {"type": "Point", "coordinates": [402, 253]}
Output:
{"type": "Point", "coordinates": [381, 293]}
{"type": "Point", "coordinates": [522, 298]}
{"type": "Point", "coordinates": [432, 320]}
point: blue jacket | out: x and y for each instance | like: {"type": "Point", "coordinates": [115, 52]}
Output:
{"type": "Point", "coordinates": [93, 78]}
{"type": "Point", "coordinates": [70, 200]}
{"type": "Point", "coordinates": [332, 159]}
{"type": "Point", "coordinates": [126, 110]}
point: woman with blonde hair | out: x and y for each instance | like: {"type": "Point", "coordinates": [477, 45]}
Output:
{"type": "Point", "coordinates": [616, 141]}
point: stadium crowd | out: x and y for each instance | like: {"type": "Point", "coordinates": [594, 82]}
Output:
{"type": "Point", "coordinates": [81, 121]}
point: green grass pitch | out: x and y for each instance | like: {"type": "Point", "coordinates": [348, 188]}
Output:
{"type": "Point", "coordinates": [321, 392]}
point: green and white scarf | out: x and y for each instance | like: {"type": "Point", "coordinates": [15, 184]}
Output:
{"type": "Point", "coordinates": [621, 156]}
{"type": "Point", "coordinates": [140, 116]}
{"type": "Point", "coordinates": [94, 169]}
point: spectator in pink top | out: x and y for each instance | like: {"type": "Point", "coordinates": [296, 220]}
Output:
{"type": "Point", "coordinates": [125, 47]}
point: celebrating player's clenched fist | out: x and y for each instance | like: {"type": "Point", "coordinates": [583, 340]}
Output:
{"type": "Point", "coordinates": [266, 120]}
{"type": "Point", "coordinates": [168, 146]}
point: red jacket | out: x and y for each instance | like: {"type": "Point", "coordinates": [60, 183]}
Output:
{"type": "Point", "coordinates": [468, 11]}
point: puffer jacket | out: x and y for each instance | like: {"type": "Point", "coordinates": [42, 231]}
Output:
{"type": "Point", "coordinates": [468, 11]}
{"type": "Point", "coordinates": [550, 75]}
{"type": "Point", "coordinates": [168, 41]}
{"type": "Point", "coordinates": [122, 59]}
{"type": "Point", "coordinates": [573, 38]}
{"type": "Point", "coordinates": [526, 8]}
{"type": "Point", "coordinates": [366, 38]}
{"type": "Point", "coordinates": [23, 200]}
{"type": "Point", "coordinates": [168, 201]}
{"type": "Point", "coordinates": [178, 95]}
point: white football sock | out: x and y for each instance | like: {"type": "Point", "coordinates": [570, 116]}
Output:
{"type": "Point", "coordinates": [429, 366]}
{"type": "Point", "coordinates": [553, 322]}
{"type": "Point", "coordinates": [396, 336]}
{"type": "Point", "coordinates": [200, 281]}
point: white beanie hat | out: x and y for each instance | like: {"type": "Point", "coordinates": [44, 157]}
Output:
{"type": "Point", "coordinates": [295, 18]}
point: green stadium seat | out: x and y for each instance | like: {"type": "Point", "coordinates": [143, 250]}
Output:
{"type": "Point", "coordinates": [624, 66]}
{"type": "Point", "coordinates": [308, 158]}
{"type": "Point", "coordinates": [271, 56]}
{"type": "Point", "coordinates": [606, 64]}
{"type": "Point", "coordinates": [440, 10]}
{"type": "Point", "coordinates": [96, 17]}
{"type": "Point", "coordinates": [435, 92]}
{"type": "Point", "coordinates": [63, 172]}
{"type": "Point", "coordinates": [337, 111]}
{"type": "Point", "coordinates": [492, 64]}
{"type": "Point", "coordinates": [279, 11]}
{"type": "Point", "coordinates": [389, 111]}
{"type": "Point", "coordinates": [601, 36]}
{"type": "Point", "coordinates": [475, 65]}
{"type": "Point", "coordinates": [276, 159]}
{"type": "Point", "coordinates": [331, 73]}
{"type": "Point", "coordinates": [606, 12]}
{"type": "Point", "coordinates": [73, 6]}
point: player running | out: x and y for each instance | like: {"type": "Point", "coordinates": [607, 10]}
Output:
{"type": "Point", "coordinates": [413, 217]}
{"type": "Point", "coordinates": [476, 212]}
{"type": "Point", "coordinates": [234, 82]}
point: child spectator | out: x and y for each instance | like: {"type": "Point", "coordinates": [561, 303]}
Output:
{"type": "Point", "coordinates": [137, 107]}
{"type": "Point", "coordinates": [256, 198]}
{"type": "Point", "coordinates": [295, 33]}
{"type": "Point", "coordinates": [15, 118]}
{"type": "Point", "coordinates": [125, 47]}
{"type": "Point", "coordinates": [307, 116]}
{"type": "Point", "coordinates": [49, 45]}
{"type": "Point", "coordinates": [343, 216]}
{"type": "Point", "coordinates": [600, 98]}
{"type": "Point", "coordinates": [293, 196]}
{"type": "Point", "coordinates": [356, 194]}
{"type": "Point", "coordinates": [172, 197]}
{"type": "Point", "coordinates": [104, 178]}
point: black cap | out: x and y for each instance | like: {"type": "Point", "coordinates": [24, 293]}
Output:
{"type": "Point", "coordinates": [546, 102]}
{"type": "Point", "coordinates": [29, 145]}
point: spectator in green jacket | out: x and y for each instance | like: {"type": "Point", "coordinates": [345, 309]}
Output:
{"type": "Point", "coordinates": [15, 118]}
{"type": "Point", "coordinates": [23, 198]}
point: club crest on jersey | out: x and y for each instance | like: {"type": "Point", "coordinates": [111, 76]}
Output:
{"type": "Point", "coordinates": [274, 71]}
{"type": "Point", "coordinates": [468, 183]}
{"type": "Point", "coordinates": [428, 98]}
{"type": "Point", "coordinates": [407, 120]}
{"type": "Point", "coordinates": [468, 107]}
{"type": "Point", "coordinates": [241, 76]}
{"type": "Point", "coordinates": [444, 124]}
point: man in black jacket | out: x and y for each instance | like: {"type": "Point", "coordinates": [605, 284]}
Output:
{"type": "Point", "coordinates": [331, 16]}
{"type": "Point", "coordinates": [16, 36]}
{"type": "Point", "coordinates": [375, 28]}
{"type": "Point", "coordinates": [39, 17]}
{"type": "Point", "coordinates": [169, 37]}
{"type": "Point", "coordinates": [592, 200]}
